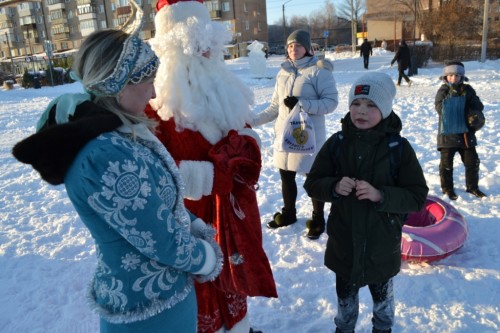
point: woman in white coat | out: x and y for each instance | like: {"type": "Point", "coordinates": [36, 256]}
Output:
{"type": "Point", "coordinates": [306, 80]}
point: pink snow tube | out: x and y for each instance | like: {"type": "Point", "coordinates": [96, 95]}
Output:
{"type": "Point", "coordinates": [434, 232]}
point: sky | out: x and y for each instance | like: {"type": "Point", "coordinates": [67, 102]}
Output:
{"type": "Point", "coordinates": [292, 8]}
{"type": "Point", "coordinates": [47, 256]}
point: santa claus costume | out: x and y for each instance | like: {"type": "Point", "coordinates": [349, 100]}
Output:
{"type": "Point", "coordinates": [204, 110]}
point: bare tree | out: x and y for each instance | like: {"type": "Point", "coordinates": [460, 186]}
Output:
{"type": "Point", "coordinates": [413, 15]}
{"type": "Point", "coordinates": [353, 11]}
{"type": "Point", "coordinates": [454, 19]}
{"type": "Point", "coordinates": [317, 22]}
{"type": "Point", "coordinates": [344, 9]}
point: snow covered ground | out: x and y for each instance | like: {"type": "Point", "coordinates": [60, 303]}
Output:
{"type": "Point", "coordinates": [47, 256]}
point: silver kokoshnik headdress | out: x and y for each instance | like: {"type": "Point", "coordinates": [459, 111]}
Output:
{"type": "Point", "coordinates": [137, 60]}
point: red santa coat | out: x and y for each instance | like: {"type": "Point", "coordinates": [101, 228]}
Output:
{"type": "Point", "coordinates": [233, 210]}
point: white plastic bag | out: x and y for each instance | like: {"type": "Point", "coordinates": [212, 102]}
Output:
{"type": "Point", "coordinates": [298, 133]}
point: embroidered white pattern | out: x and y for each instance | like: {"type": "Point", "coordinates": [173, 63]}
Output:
{"type": "Point", "coordinates": [130, 262]}
{"type": "Point", "coordinates": [125, 191]}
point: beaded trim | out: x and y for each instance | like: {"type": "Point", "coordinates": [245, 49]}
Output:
{"type": "Point", "coordinates": [136, 61]}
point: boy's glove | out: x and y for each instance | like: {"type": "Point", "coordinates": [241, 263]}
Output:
{"type": "Point", "coordinates": [290, 101]}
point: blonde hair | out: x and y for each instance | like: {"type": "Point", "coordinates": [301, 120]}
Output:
{"type": "Point", "coordinates": [95, 61]}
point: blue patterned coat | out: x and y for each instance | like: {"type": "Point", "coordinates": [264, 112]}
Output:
{"type": "Point", "coordinates": [127, 190]}
{"type": "Point", "coordinates": [135, 213]}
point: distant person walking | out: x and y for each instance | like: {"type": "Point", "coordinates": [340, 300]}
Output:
{"type": "Point", "coordinates": [402, 56]}
{"type": "Point", "coordinates": [365, 52]}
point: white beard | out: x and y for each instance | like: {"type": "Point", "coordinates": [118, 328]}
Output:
{"type": "Point", "coordinates": [200, 93]}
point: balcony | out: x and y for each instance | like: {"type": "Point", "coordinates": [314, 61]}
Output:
{"type": "Point", "coordinates": [87, 16]}
{"type": "Point", "coordinates": [124, 10]}
{"type": "Point", "coordinates": [26, 12]}
{"type": "Point", "coordinates": [87, 31]}
{"type": "Point", "coordinates": [216, 14]}
{"type": "Point", "coordinates": [61, 36]}
{"type": "Point", "coordinates": [85, 2]}
{"type": "Point", "coordinates": [56, 5]}
{"type": "Point", "coordinates": [32, 40]}
{"type": "Point", "coordinates": [61, 20]}
{"type": "Point", "coordinates": [5, 18]}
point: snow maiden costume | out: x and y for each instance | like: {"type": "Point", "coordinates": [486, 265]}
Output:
{"type": "Point", "coordinates": [128, 192]}
{"type": "Point", "coordinates": [204, 110]}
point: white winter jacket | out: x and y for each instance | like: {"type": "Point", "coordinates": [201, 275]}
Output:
{"type": "Point", "coordinates": [311, 81]}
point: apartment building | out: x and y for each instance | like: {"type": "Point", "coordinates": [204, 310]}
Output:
{"type": "Point", "coordinates": [30, 31]}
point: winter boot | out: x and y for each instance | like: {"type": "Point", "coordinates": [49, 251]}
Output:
{"type": "Point", "coordinates": [316, 225]}
{"type": "Point", "coordinates": [374, 330]}
{"type": "Point", "coordinates": [283, 219]}
{"type": "Point", "coordinates": [337, 330]}
{"type": "Point", "coordinates": [471, 180]}
{"type": "Point", "coordinates": [477, 192]}
{"type": "Point", "coordinates": [254, 331]}
{"type": "Point", "coordinates": [446, 177]}
{"type": "Point", "coordinates": [451, 194]}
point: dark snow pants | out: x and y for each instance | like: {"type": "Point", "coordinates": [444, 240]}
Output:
{"type": "Point", "coordinates": [401, 75]}
{"type": "Point", "coordinates": [470, 159]}
{"type": "Point", "coordinates": [348, 305]}
{"type": "Point", "coordinates": [289, 192]}
{"type": "Point", "coordinates": [366, 60]}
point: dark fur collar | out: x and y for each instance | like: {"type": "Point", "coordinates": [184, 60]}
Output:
{"type": "Point", "coordinates": [52, 150]}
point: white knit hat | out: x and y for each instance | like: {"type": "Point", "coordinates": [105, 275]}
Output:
{"type": "Point", "coordinates": [378, 88]}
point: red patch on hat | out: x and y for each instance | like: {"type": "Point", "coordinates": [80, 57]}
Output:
{"type": "Point", "coordinates": [362, 89]}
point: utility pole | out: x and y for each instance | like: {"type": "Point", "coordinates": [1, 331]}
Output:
{"type": "Point", "coordinates": [353, 28]}
{"type": "Point", "coordinates": [10, 55]}
{"type": "Point", "coordinates": [485, 30]}
{"type": "Point", "coordinates": [48, 53]}
{"type": "Point", "coordinates": [284, 25]}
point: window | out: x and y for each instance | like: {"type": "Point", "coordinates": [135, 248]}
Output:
{"type": "Point", "coordinates": [226, 7]}
{"type": "Point", "coordinates": [212, 5]}
{"type": "Point", "coordinates": [247, 25]}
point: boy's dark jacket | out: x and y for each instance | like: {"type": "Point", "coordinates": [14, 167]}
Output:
{"type": "Point", "coordinates": [364, 241]}
{"type": "Point", "coordinates": [472, 102]}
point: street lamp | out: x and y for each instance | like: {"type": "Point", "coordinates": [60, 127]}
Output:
{"type": "Point", "coordinates": [10, 54]}
{"type": "Point", "coordinates": [284, 24]}
{"type": "Point", "coordinates": [485, 30]}
{"type": "Point", "coordinates": [29, 34]}
{"type": "Point", "coordinates": [48, 53]}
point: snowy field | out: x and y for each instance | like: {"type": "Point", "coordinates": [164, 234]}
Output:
{"type": "Point", "coordinates": [47, 256]}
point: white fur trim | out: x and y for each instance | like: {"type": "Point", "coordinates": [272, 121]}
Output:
{"type": "Point", "coordinates": [180, 12]}
{"type": "Point", "coordinates": [199, 178]}
{"type": "Point", "coordinates": [197, 227]}
{"type": "Point", "coordinates": [251, 133]}
{"type": "Point", "coordinates": [209, 261]}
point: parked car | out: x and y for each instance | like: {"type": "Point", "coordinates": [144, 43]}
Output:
{"type": "Point", "coordinates": [279, 50]}
{"type": "Point", "coordinates": [4, 76]}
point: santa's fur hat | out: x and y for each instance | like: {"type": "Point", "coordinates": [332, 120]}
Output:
{"type": "Point", "coordinates": [188, 24]}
